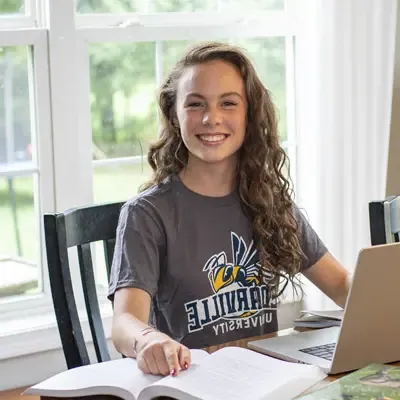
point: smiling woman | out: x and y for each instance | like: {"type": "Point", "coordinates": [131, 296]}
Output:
{"type": "Point", "coordinates": [214, 235]}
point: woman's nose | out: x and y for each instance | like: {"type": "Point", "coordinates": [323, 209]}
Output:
{"type": "Point", "coordinates": [212, 117]}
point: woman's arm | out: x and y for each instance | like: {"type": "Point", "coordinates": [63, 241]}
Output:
{"type": "Point", "coordinates": [330, 277]}
{"type": "Point", "coordinates": [131, 316]}
{"type": "Point", "coordinates": [156, 353]}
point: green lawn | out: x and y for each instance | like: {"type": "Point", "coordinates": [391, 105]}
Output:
{"type": "Point", "coordinates": [118, 183]}
{"type": "Point", "coordinates": [110, 184]}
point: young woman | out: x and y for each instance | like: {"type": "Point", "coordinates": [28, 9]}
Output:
{"type": "Point", "coordinates": [203, 252]}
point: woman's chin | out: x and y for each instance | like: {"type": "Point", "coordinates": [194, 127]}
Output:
{"type": "Point", "coordinates": [215, 158]}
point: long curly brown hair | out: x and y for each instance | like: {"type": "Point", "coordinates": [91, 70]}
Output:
{"type": "Point", "coordinates": [264, 189]}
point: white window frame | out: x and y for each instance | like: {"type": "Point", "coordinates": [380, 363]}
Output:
{"type": "Point", "coordinates": [43, 166]}
{"type": "Point", "coordinates": [62, 39]}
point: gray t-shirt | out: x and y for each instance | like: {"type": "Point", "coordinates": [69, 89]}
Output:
{"type": "Point", "coordinates": [195, 256]}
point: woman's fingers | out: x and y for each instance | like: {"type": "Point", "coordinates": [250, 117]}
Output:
{"type": "Point", "coordinates": [142, 363]}
{"type": "Point", "coordinates": [163, 357]}
{"type": "Point", "coordinates": [159, 356]}
{"type": "Point", "coordinates": [184, 357]}
{"type": "Point", "coordinates": [150, 360]}
{"type": "Point", "coordinates": [171, 356]}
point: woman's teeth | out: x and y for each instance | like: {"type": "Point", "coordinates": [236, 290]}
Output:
{"type": "Point", "coordinates": [212, 138]}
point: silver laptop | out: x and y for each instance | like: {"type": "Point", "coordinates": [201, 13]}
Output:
{"type": "Point", "coordinates": [370, 329]}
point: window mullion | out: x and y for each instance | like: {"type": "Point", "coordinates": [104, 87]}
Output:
{"type": "Point", "coordinates": [43, 138]}
{"type": "Point", "coordinates": [65, 67]}
{"type": "Point", "coordinates": [71, 152]}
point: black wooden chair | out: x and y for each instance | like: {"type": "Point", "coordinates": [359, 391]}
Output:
{"type": "Point", "coordinates": [79, 227]}
{"type": "Point", "coordinates": [384, 220]}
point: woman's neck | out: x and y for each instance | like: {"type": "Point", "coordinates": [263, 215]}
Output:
{"type": "Point", "coordinates": [215, 180]}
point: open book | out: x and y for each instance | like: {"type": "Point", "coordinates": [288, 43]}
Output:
{"type": "Point", "coordinates": [230, 373]}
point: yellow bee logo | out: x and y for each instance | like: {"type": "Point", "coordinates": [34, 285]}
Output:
{"type": "Point", "coordinates": [242, 272]}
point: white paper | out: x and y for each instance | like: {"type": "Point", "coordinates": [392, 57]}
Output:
{"type": "Point", "coordinates": [235, 373]}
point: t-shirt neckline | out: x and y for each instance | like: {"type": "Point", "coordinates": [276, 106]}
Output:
{"type": "Point", "coordinates": [226, 200]}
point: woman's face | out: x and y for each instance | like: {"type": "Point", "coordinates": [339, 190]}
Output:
{"type": "Point", "coordinates": [211, 110]}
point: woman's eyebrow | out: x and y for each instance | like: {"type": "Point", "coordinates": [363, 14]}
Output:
{"type": "Point", "coordinates": [195, 94]}
{"type": "Point", "coordinates": [231, 94]}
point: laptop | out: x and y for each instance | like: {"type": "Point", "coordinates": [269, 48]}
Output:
{"type": "Point", "coordinates": [370, 329]}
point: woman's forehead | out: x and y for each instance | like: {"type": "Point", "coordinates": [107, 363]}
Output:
{"type": "Point", "coordinates": [212, 76]}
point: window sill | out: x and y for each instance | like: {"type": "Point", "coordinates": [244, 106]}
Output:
{"type": "Point", "coordinates": [29, 342]}
{"type": "Point", "coordinates": [39, 333]}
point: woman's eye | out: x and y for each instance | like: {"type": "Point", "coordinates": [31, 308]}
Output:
{"type": "Point", "coordinates": [194, 104]}
{"type": "Point", "coordinates": [229, 104]}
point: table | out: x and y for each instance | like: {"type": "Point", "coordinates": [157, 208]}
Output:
{"type": "Point", "coordinates": [238, 343]}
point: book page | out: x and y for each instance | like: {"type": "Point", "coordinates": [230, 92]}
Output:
{"type": "Point", "coordinates": [235, 373]}
{"type": "Point", "coordinates": [120, 378]}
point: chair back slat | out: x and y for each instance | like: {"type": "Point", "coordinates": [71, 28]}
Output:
{"type": "Point", "coordinates": [91, 302]}
{"type": "Point", "coordinates": [384, 220]}
{"type": "Point", "coordinates": [109, 246]}
{"type": "Point", "coordinates": [69, 326]}
{"type": "Point", "coordinates": [92, 223]}
{"type": "Point", "coordinates": [79, 227]}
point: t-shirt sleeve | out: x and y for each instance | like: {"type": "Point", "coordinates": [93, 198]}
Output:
{"type": "Point", "coordinates": [139, 247]}
{"type": "Point", "coordinates": [311, 244]}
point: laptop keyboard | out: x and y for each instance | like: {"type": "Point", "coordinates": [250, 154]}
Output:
{"type": "Point", "coordinates": [323, 351]}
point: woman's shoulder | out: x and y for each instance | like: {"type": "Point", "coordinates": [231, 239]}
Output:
{"type": "Point", "coordinates": [156, 198]}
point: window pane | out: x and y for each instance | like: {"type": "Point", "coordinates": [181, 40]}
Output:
{"type": "Point", "coordinates": [19, 271]}
{"type": "Point", "coordinates": [241, 5]}
{"type": "Point", "coordinates": [15, 130]}
{"type": "Point", "coordinates": [119, 183]}
{"type": "Point", "coordinates": [123, 96]}
{"type": "Point", "coordinates": [143, 6]}
{"type": "Point", "coordinates": [268, 56]}
{"type": "Point", "coordinates": [124, 115]}
{"type": "Point", "coordinates": [11, 6]}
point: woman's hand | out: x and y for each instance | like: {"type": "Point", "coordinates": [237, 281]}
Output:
{"type": "Point", "coordinates": [158, 354]}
